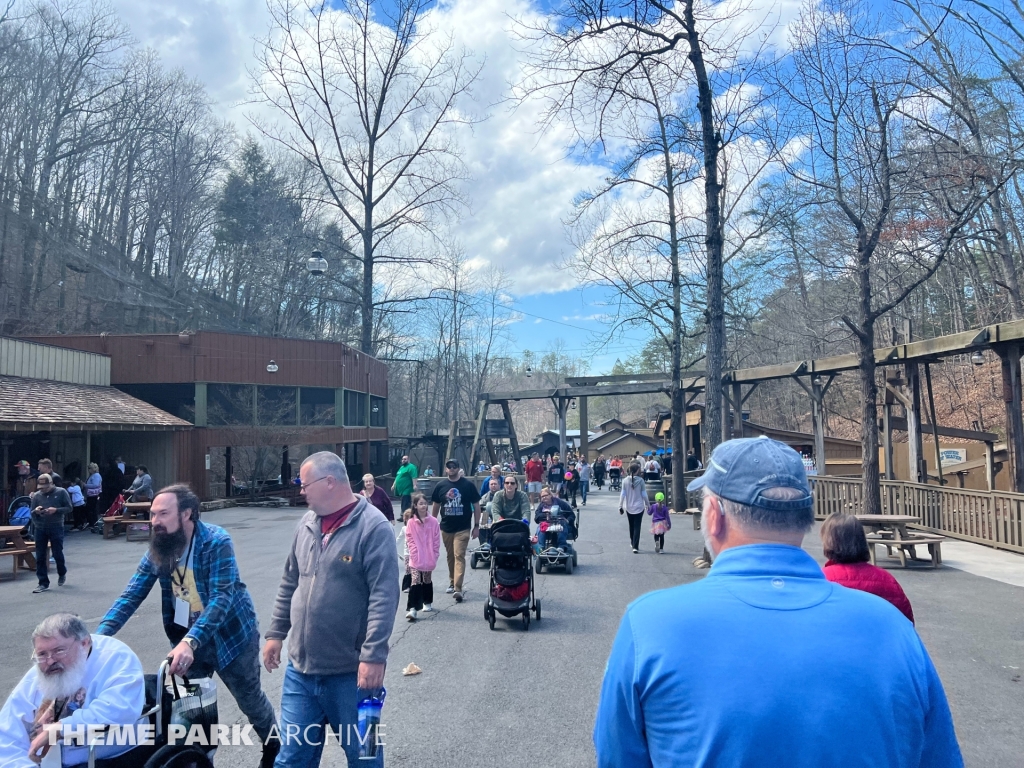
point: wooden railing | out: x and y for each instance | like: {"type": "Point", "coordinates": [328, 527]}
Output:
{"type": "Point", "coordinates": [995, 518]}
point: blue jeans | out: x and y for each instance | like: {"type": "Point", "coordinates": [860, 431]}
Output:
{"type": "Point", "coordinates": [584, 489]}
{"type": "Point", "coordinates": [309, 701]}
{"type": "Point", "coordinates": [54, 534]}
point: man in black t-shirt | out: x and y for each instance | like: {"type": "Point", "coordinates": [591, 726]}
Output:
{"type": "Point", "coordinates": [457, 501]}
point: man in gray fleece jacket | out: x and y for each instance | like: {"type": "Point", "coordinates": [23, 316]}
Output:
{"type": "Point", "coordinates": [336, 605]}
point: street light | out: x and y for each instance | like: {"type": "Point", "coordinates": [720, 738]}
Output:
{"type": "Point", "coordinates": [271, 367]}
{"type": "Point", "coordinates": [529, 372]}
{"type": "Point", "coordinates": [316, 264]}
{"type": "Point", "coordinates": [978, 358]}
{"type": "Point", "coordinates": [572, 403]}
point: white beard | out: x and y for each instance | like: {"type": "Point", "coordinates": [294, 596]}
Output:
{"type": "Point", "coordinates": [707, 541]}
{"type": "Point", "coordinates": [64, 685]}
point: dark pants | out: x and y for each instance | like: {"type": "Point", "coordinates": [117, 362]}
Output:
{"type": "Point", "coordinates": [636, 523]}
{"type": "Point", "coordinates": [242, 678]}
{"type": "Point", "coordinates": [52, 534]}
{"type": "Point", "coordinates": [659, 540]}
{"type": "Point", "coordinates": [420, 595]}
{"type": "Point", "coordinates": [406, 501]}
{"type": "Point", "coordinates": [78, 516]}
{"type": "Point", "coordinates": [91, 507]}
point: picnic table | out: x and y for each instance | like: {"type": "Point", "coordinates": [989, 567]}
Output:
{"type": "Point", "coordinates": [134, 519]}
{"type": "Point", "coordinates": [20, 551]}
{"type": "Point", "coordinates": [891, 532]}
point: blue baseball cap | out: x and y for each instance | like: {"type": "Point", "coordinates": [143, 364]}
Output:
{"type": "Point", "coordinates": [741, 470]}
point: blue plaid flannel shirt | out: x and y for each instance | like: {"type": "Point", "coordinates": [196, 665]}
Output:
{"type": "Point", "coordinates": [228, 620]}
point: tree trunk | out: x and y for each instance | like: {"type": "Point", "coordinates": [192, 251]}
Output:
{"type": "Point", "coordinates": [715, 312]}
{"type": "Point", "coordinates": [872, 489]}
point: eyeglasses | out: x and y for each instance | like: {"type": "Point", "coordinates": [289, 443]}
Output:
{"type": "Point", "coordinates": [55, 654]}
{"type": "Point", "coordinates": [510, 482]}
{"type": "Point", "coordinates": [304, 486]}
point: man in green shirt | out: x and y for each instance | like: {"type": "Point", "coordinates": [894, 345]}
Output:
{"type": "Point", "coordinates": [404, 485]}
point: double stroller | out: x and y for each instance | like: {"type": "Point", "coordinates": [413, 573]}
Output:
{"type": "Point", "coordinates": [510, 591]}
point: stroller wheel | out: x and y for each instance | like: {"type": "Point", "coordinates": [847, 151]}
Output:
{"type": "Point", "coordinates": [574, 561]}
{"type": "Point", "coordinates": [536, 608]}
{"type": "Point", "coordinates": [489, 615]}
{"type": "Point", "coordinates": [473, 562]}
{"type": "Point", "coordinates": [526, 621]}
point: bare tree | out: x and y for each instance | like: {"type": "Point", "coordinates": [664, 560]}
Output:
{"type": "Point", "coordinates": [368, 97]}
{"type": "Point", "coordinates": [899, 200]}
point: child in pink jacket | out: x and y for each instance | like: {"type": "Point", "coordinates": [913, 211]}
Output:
{"type": "Point", "coordinates": [423, 537]}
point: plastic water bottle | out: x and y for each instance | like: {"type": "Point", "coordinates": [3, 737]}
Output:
{"type": "Point", "coordinates": [368, 720]}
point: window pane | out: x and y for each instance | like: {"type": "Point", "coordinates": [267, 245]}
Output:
{"type": "Point", "coordinates": [378, 412]}
{"type": "Point", "coordinates": [276, 406]}
{"type": "Point", "coordinates": [317, 406]}
{"type": "Point", "coordinates": [355, 409]}
{"type": "Point", "coordinates": [229, 404]}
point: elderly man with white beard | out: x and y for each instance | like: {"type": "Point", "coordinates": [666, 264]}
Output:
{"type": "Point", "coordinates": [79, 680]}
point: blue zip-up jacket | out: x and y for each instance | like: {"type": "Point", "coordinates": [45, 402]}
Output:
{"type": "Point", "coordinates": [765, 663]}
{"type": "Point", "coordinates": [228, 621]}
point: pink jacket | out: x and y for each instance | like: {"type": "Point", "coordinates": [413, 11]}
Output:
{"type": "Point", "coordinates": [423, 537]}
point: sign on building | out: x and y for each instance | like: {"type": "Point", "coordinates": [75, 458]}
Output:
{"type": "Point", "coordinates": [952, 456]}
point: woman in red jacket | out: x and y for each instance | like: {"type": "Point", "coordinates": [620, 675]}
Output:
{"type": "Point", "coordinates": [846, 547]}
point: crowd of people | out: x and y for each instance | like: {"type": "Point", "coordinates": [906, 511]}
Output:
{"type": "Point", "coordinates": [759, 679]}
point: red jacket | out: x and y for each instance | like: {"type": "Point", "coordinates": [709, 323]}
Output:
{"type": "Point", "coordinates": [869, 578]}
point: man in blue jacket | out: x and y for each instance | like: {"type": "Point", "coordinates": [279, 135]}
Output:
{"type": "Point", "coordinates": [207, 611]}
{"type": "Point", "coordinates": [785, 668]}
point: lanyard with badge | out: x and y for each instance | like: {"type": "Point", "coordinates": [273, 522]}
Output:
{"type": "Point", "coordinates": [182, 607]}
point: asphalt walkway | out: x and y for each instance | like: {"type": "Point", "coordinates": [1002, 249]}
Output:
{"type": "Point", "coordinates": [514, 698]}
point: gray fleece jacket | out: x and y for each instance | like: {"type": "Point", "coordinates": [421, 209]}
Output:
{"type": "Point", "coordinates": [336, 605]}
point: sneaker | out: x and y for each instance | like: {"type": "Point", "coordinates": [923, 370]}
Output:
{"type": "Point", "coordinates": [451, 588]}
{"type": "Point", "coordinates": [61, 580]}
{"type": "Point", "coordinates": [428, 608]}
{"type": "Point", "coordinates": [635, 550]}
{"type": "Point", "coordinates": [411, 614]}
{"type": "Point", "coordinates": [457, 596]}
{"type": "Point", "coordinates": [41, 588]}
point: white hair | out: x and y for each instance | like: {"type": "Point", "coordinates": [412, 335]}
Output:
{"type": "Point", "coordinates": [63, 625]}
{"type": "Point", "coordinates": [326, 463]}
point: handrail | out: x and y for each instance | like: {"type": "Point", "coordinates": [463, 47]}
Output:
{"type": "Point", "coordinates": [993, 518]}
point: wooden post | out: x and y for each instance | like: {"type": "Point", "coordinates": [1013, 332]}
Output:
{"type": "Point", "coordinates": [935, 424]}
{"type": "Point", "coordinates": [726, 421]}
{"type": "Point", "coordinates": [890, 472]}
{"type": "Point", "coordinates": [481, 416]}
{"type": "Point", "coordinates": [913, 411]}
{"type": "Point", "coordinates": [507, 412]}
{"type": "Point", "coordinates": [737, 414]}
{"type": "Point", "coordinates": [990, 466]}
{"type": "Point", "coordinates": [1010, 356]}
{"type": "Point", "coordinates": [818, 425]}
{"type": "Point", "coordinates": [563, 406]}
{"type": "Point", "coordinates": [584, 429]}
{"type": "Point", "coordinates": [451, 442]}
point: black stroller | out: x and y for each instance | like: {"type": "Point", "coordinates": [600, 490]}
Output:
{"type": "Point", "coordinates": [615, 476]}
{"type": "Point", "coordinates": [159, 754]}
{"type": "Point", "coordinates": [510, 590]}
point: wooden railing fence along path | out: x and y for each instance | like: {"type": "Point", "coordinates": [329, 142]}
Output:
{"type": "Point", "coordinates": [995, 518]}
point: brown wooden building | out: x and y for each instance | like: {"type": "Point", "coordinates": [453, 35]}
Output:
{"type": "Point", "coordinates": [265, 401]}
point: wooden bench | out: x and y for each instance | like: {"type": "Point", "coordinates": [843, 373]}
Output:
{"type": "Point", "coordinates": [908, 544]}
{"type": "Point", "coordinates": [16, 554]}
{"type": "Point", "coordinates": [696, 517]}
{"type": "Point", "coordinates": [110, 526]}
{"type": "Point", "coordinates": [137, 530]}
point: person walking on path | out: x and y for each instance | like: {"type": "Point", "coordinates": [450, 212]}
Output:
{"type": "Point", "coordinates": [846, 547]}
{"type": "Point", "coordinates": [511, 503]}
{"type": "Point", "coordinates": [336, 606]}
{"type": "Point", "coordinates": [208, 614]}
{"type": "Point", "coordinates": [457, 501]}
{"type": "Point", "coordinates": [760, 691]}
{"type": "Point", "coordinates": [661, 522]}
{"type": "Point", "coordinates": [93, 489]}
{"type": "Point", "coordinates": [379, 498]}
{"type": "Point", "coordinates": [534, 477]}
{"type": "Point", "coordinates": [405, 483]}
{"type": "Point", "coordinates": [556, 474]}
{"type": "Point", "coordinates": [633, 501]}
{"type": "Point", "coordinates": [49, 506]}
{"type": "Point", "coordinates": [423, 536]}
{"type": "Point", "coordinates": [584, 471]}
